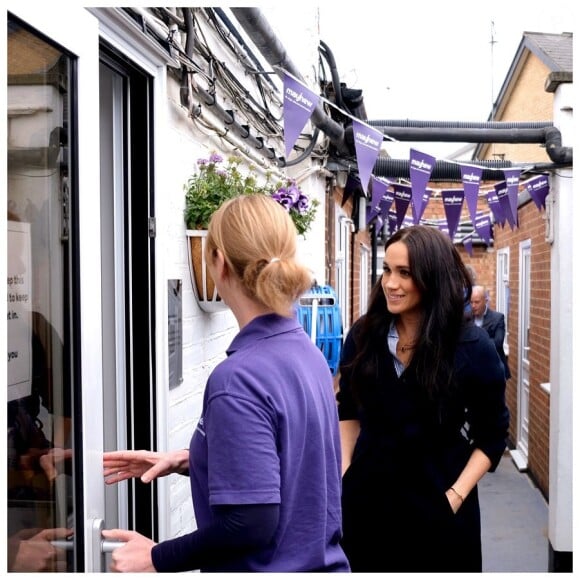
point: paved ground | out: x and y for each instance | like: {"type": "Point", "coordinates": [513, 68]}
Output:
{"type": "Point", "coordinates": [514, 521]}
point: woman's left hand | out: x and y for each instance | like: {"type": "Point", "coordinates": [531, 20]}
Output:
{"type": "Point", "coordinates": [454, 500]}
{"type": "Point", "coordinates": [134, 555]}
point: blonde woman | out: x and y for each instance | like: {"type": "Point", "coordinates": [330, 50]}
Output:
{"type": "Point", "coordinates": [264, 460]}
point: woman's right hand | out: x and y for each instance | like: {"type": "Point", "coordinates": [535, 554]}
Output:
{"type": "Point", "coordinates": [147, 465]}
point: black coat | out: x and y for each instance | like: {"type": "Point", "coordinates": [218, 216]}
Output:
{"type": "Point", "coordinates": [494, 324]}
{"type": "Point", "coordinates": [396, 516]}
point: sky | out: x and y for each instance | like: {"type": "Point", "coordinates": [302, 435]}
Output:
{"type": "Point", "coordinates": [428, 60]}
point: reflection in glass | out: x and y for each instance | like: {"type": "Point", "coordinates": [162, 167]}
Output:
{"type": "Point", "coordinates": [39, 447]}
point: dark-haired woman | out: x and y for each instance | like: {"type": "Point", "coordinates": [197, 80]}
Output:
{"type": "Point", "coordinates": [422, 415]}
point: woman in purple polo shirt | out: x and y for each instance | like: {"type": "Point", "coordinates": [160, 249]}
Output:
{"type": "Point", "coordinates": [264, 460]}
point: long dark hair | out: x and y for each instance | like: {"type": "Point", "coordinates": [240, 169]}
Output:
{"type": "Point", "coordinates": [445, 285]}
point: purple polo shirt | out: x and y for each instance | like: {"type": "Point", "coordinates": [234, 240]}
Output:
{"type": "Point", "coordinates": [269, 434]}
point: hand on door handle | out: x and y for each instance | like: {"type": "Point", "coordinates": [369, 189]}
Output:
{"type": "Point", "coordinates": [133, 553]}
{"type": "Point", "coordinates": [107, 546]}
{"type": "Point", "coordinates": [38, 550]}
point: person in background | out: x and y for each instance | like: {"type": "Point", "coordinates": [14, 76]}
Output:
{"type": "Point", "coordinates": [264, 460]}
{"type": "Point", "coordinates": [414, 374]}
{"type": "Point", "coordinates": [473, 278]}
{"type": "Point", "coordinates": [491, 321]}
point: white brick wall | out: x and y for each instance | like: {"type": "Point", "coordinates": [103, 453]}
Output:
{"type": "Point", "coordinates": [206, 336]}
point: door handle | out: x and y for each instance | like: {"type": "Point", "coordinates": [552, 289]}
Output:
{"type": "Point", "coordinates": [96, 546]}
{"type": "Point", "coordinates": [107, 546]}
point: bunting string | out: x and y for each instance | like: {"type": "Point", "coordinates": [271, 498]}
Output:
{"type": "Point", "coordinates": [299, 104]}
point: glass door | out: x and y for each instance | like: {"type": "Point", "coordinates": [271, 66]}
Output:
{"type": "Point", "coordinates": [55, 497]}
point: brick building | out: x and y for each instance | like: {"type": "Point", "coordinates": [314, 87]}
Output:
{"type": "Point", "coordinates": [524, 254]}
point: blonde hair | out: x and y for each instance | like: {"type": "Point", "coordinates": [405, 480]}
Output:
{"type": "Point", "coordinates": [258, 240]}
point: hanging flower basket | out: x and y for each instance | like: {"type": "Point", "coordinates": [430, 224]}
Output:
{"type": "Point", "coordinates": [211, 186]}
{"type": "Point", "coordinates": [203, 286]}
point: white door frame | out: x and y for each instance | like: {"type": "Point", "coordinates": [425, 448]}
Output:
{"type": "Point", "coordinates": [343, 230]}
{"type": "Point", "coordinates": [121, 33]}
{"type": "Point", "coordinates": [520, 453]}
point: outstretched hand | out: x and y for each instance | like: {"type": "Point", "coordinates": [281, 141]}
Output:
{"type": "Point", "coordinates": [147, 465]}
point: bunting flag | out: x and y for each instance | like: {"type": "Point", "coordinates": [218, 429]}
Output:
{"type": "Point", "coordinates": [371, 216]}
{"type": "Point", "coordinates": [424, 201]}
{"type": "Point", "coordinates": [367, 142]}
{"type": "Point", "coordinates": [504, 202]}
{"type": "Point", "coordinates": [392, 222]}
{"type": "Point", "coordinates": [468, 245]}
{"type": "Point", "coordinates": [378, 188]}
{"type": "Point", "coordinates": [402, 195]}
{"type": "Point", "coordinates": [453, 204]}
{"type": "Point", "coordinates": [299, 104]}
{"type": "Point", "coordinates": [471, 178]}
{"type": "Point", "coordinates": [386, 203]}
{"type": "Point", "coordinates": [483, 227]}
{"type": "Point", "coordinates": [495, 207]}
{"type": "Point", "coordinates": [350, 188]}
{"type": "Point", "coordinates": [538, 187]}
{"type": "Point", "coordinates": [420, 169]}
{"type": "Point", "coordinates": [512, 179]}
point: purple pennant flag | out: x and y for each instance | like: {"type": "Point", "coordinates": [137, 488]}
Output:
{"type": "Point", "coordinates": [425, 200]}
{"type": "Point", "coordinates": [393, 222]}
{"type": "Point", "coordinates": [538, 188]}
{"type": "Point", "coordinates": [467, 244]}
{"type": "Point", "coordinates": [420, 169]}
{"type": "Point", "coordinates": [299, 103]}
{"type": "Point", "coordinates": [483, 227]}
{"type": "Point", "coordinates": [495, 207]}
{"type": "Point", "coordinates": [512, 179]}
{"type": "Point", "coordinates": [372, 215]}
{"type": "Point", "coordinates": [504, 202]}
{"type": "Point", "coordinates": [367, 143]}
{"type": "Point", "coordinates": [471, 178]}
{"type": "Point", "coordinates": [453, 204]}
{"type": "Point", "coordinates": [378, 189]}
{"type": "Point", "coordinates": [386, 203]}
{"type": "Point", "coordinates": [402, 194]}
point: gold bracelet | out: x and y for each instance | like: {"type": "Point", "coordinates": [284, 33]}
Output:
{"type": "Point", "coordinates": [457, 494]}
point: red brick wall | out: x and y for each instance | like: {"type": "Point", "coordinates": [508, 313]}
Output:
{"type": "Point", "coordinates": [531, 227]}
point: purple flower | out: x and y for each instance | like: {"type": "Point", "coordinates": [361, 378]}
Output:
{"type": "Point", "coordinates": [293, 191]}
{"type": "Point", "coordinates": [202, 162]}
{"type": "Point", "coordinates": [303, 204]}
{"type": "Point", "coordinates": [215, 158]}
{"type": "Point", "coordinates": [282, 197]}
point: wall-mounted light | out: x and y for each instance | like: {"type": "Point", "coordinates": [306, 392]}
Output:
{"type": "Point", "coordinates": [341, 177]}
